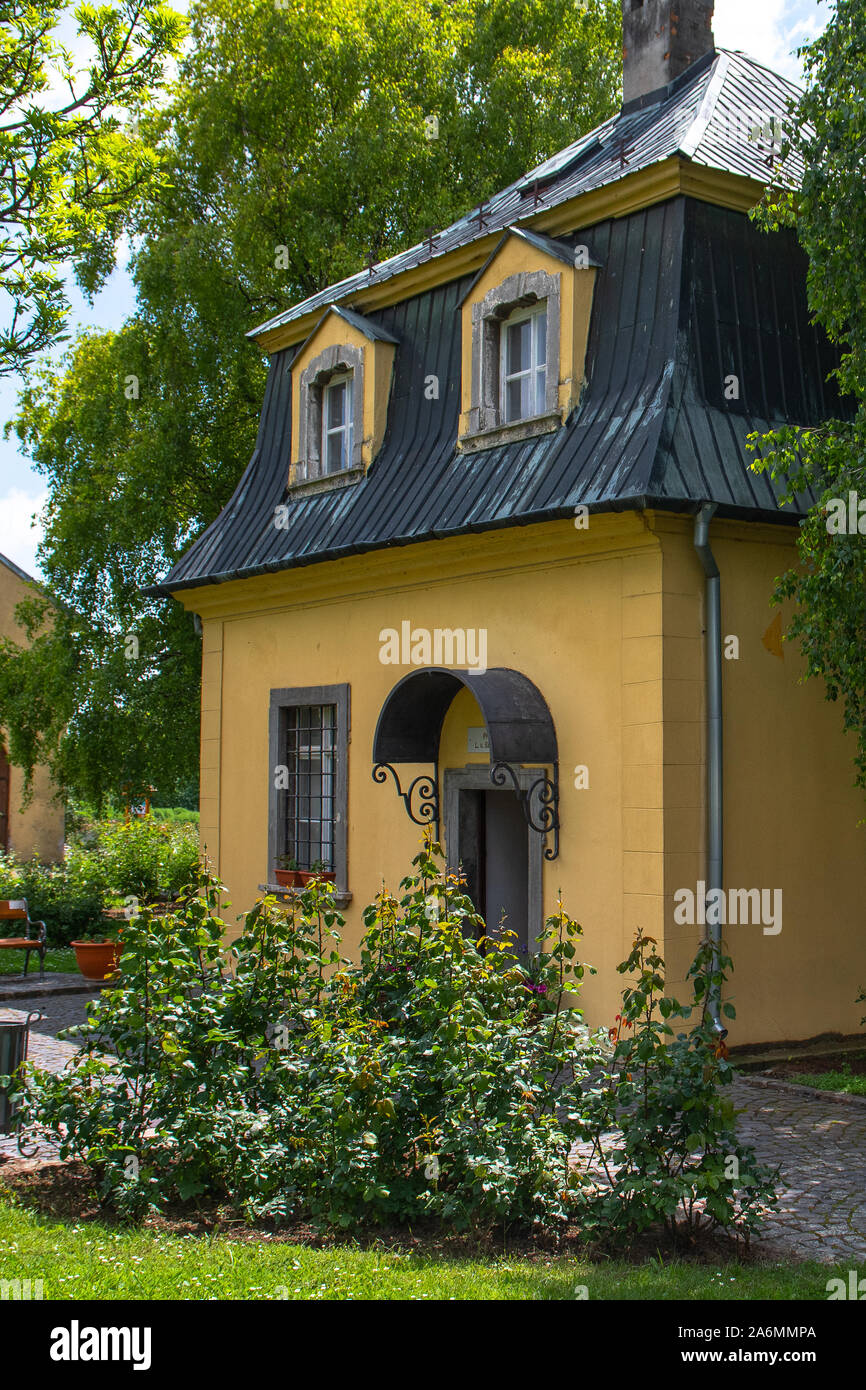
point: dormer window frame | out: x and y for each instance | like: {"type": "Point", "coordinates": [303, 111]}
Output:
{"type": "Point", "coordinates": [525, 293]}
{"type": "Point", "coordinates": [346, 363]}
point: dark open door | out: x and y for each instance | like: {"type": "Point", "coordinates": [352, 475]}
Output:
{"type": "Point", "coordinates": [4, 800]}
{"type": "Point", "coordinates": [494, 858]}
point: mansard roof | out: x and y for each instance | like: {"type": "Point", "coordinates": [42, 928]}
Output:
{"type": "Point", "coordinates": [690, 294]}
{"type": "Point", "coordinates": [715, 116]}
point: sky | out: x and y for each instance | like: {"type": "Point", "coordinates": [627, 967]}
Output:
{"type": "Point", "coordinates": [768, 30]}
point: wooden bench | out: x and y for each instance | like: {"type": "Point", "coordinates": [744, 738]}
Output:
{"type": "Point", "coordinates": [16, 910]}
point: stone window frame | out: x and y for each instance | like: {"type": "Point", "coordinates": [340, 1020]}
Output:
{"type": "Point", "coordinates": [290, 697]}
{"type": "Point", "coordinates": [336, 360]}
{"type": "Point", "coordinates": [521, 290]}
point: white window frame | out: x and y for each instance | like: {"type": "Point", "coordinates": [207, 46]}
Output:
{"type": "Point", "coordinates": [536, 369]}
{"type": "Point", "coordinates": [346, 429]}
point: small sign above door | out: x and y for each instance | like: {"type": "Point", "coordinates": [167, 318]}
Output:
{"type": "Point", "coordinates": [477, 741]}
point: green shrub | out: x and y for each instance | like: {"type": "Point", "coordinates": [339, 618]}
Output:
{"type": "Point", "coordinates": [662, 1128]}
{"type": "Point", "coordinates": [176, 814]}
{"type": "Point", "coordinates": [427, 1080]}
{"type": "Point", "coordinates": [435, 1077]}
{"type": "Point", "coordinates": [57, 894]}
{"type": "Point", "coordinates": [145, 858]}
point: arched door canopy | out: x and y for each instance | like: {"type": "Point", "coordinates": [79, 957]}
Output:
{"type": "Point", "coordinates": [519, 726]}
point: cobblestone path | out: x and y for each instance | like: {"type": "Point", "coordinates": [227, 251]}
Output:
{"type": "Point", "coordinates": [820, 1145]}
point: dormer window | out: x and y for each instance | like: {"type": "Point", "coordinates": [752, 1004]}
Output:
{"type": "Point", "coordinates": [523, 364]}
{"type": "Point", "coordinates": [525, 326]}
{"type": "Point", "coordinates": [341, 380]}
{"type": "Point", "coordinates": [337, 417]}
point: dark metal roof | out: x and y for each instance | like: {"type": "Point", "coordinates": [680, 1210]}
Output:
{"type": "Point", "coordinates": [688, 296]}
{"type": "Point", "coordinates": [713, 115]}
{"type": "Point", "coordinates": [518, 720]}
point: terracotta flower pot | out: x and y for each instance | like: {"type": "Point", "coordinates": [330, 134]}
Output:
{"type": "Point", "coordinates": [305, 876]}
{"type": "Point", "coordinates": [288, 878]}
{"type": "Point", "coordinates": [96, 959]}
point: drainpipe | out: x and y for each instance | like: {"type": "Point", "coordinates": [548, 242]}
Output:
{"type": "Point", "coordinates": [714, 733]}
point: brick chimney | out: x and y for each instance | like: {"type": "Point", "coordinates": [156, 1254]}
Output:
{"type": "Point", "coordinates": [661, 38]}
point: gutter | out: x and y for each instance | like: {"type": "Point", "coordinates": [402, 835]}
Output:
{"type": "Point", "coordinates": [715, 738]}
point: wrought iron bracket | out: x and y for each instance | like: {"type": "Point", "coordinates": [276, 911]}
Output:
{"type": "Point", "coordinates": [545, 791]}
{"type": "Point", "coordinates": [424, 789]}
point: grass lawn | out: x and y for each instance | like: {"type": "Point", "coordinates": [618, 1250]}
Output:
{"type": "Point", "coordinates": [57, 958]}
{"type": "Point", "coordinates": [833, 1081]}
{"type": "Point", "coordinates": [91, 1260]}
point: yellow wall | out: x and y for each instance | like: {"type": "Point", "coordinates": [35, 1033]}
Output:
{"type": "Point", "coordinates": [607, 622]}
{"type": "Point", "coordinates": [38, 828]}
{"type": "Point", "coordinates": [791, 811]}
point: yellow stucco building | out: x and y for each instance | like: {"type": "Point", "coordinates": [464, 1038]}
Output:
{"type": "Point", "coordinates": [34, 829]}
{"type": "Point", "coordinates": [499, 564]}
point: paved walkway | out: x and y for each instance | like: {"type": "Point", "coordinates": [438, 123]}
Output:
{"type": "Point", "coordinates": [819, 1143]}
{"type": "Point", "coordinates": [821, 1147]}
{"type": "Point", "coordinates": [46, 1049]}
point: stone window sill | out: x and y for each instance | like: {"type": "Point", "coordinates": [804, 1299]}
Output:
{"type": "Point", "coordinates": [309, 486]}
{"type": "Point", "coordinates": [511, 433]}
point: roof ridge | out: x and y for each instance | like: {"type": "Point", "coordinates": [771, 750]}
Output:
{"type": "Point", "coordinates": [756, 63]}
{"type": "Point", "coordinates": [689, 144]}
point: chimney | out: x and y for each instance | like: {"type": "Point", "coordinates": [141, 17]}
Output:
{"type": "Point", "coordinates": [661, 38]}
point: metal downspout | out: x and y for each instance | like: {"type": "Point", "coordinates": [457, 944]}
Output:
{"type": "Point", "coordinates": [714, 732]}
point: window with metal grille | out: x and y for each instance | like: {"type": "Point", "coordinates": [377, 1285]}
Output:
{"type": "Point", "coordinates": [308, 800]}
{"type": "Point", "coordinates": [310, 751]}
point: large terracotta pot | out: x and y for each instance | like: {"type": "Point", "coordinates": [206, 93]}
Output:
{"type": "Point", "coordinates": [306, 876]}
{"type": "Point", "coordinates": [96, 959]}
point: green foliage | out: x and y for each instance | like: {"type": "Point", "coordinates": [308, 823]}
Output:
{"type": "Point", "coordinates": [661, 1127]}
{"type": "Point", "coordinates": [299, 125]}
{"type": "Point", "coordinates": [71, 168]}
{"type": "Point", "coordinates": [108, 863]}
{"type": "Point", "coordinates": [828, 129]}
{"type": "Point", "coordinates": [844, 1081]}
{"type": "Point", "coordinates": [435, 1078]}
{"type": "Point", "coordinates": [60, 895]}
{"type": "Point", "coordinates": [146, 857]}
{"type": "Point", "coordinates": [425, 1081]}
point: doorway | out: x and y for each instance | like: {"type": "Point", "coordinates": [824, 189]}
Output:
{"type": "Point", "coordinates": [490, 843]}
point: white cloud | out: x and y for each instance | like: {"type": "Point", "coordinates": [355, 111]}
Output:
{"type": "Point", "coordinates": [770, 30]}
{"type": "Point", "coordinates": [18, 536]}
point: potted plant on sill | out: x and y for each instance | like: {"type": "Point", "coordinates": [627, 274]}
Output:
{"type": "Point", "coordinates": [287, 873]}
{"type": "Point", "coordinates": [97, 952]}
{"type": "Point", "coordinates": [318, 869]}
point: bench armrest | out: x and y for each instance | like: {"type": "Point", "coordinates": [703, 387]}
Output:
{"type": "Point", "coordinates": [41, 934]}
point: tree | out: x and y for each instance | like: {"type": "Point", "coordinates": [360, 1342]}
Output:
{"type": "Point", "coordinates": [828, 128]}
{"type": "Point", "coordinates": [296, 144]}
{"type": "Point", "coordinates": [70, 166]}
